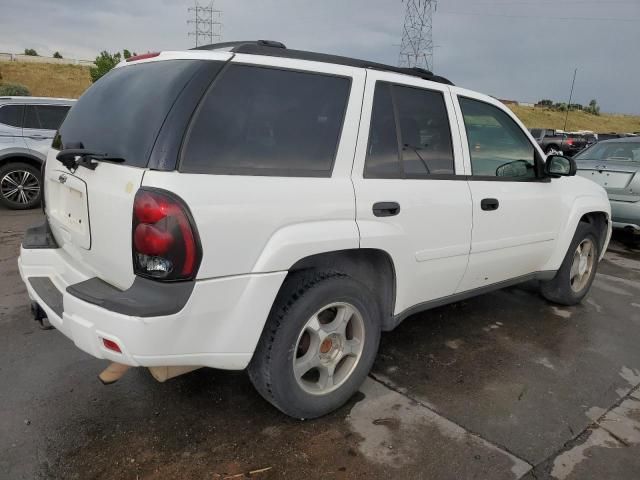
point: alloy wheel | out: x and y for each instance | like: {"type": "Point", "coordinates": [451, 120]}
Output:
{"type": "Point", "coordinates": [328, 348]}
{"type": "Point", "coordinates": [582, 266]}
{"type": "Point", "coordinates": [20, 187]}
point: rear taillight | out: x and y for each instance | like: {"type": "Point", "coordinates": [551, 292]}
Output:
{"type": "Point", "coordinates": [165, 241]}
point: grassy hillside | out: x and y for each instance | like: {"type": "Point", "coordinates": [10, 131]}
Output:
{"type": "Point", "coordinates": [53, 80]}
{"type": "Point", "coordinates": [545, 118]}
{"type": "Point", "coordinates": [47, 79]}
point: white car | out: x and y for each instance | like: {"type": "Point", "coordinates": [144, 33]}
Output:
{"type": "Point", "coordinates": [243, 205]}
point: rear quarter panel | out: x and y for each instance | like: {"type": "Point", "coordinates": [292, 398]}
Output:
{"type": "Point", "coordinates": [267, 223]}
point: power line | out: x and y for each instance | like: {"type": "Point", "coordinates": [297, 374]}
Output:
{"type": "Point", "coordinates": [545, 17]}
{"type": "Point", "coordinates": [206, 22]}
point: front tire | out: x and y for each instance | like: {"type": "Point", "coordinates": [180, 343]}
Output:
{"type": "Point", "coordinates": [20, 186]}
{"type": "Point", "coordinates": [578, 269]}
{"type": "Point", "coordinates": [318, 344]}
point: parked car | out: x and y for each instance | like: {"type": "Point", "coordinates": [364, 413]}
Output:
{"type": "Point", "coordinates": [554, 142]}
{"type": "Point", "coordinates": [276, 210]}
{"type": "Point", "coordinates": [27, 126]}
{"type": "Point", "coordinates": [615, 165]}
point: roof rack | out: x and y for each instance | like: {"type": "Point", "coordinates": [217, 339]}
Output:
{"type": "Point", "coordinates": [277, 49]}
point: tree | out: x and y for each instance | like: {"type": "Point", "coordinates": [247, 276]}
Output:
{"type": "Point", "coordinates": [57, 55]}
{"type": "Point", "coordinates": [546, 102]}
{"type": "Point", "coordinates": [31, 52]}
{"type": "Point", "coordinates": [127, 54]}
{"type": "Point", "coordinates": [106, 61]}
{"type": "Point", "coordinates": [593, 108]}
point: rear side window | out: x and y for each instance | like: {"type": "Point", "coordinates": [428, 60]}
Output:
{"type": "Point", "coordinates": [422, 148]}
{"type": "Point", "coordinates": [383, 160]}
{"type": "Point", "coordinates": [121, 114]}
{"type": "Point", "coordinates": [267, 121]}
{"type": "Point", "coordinates": [425, 135]}
{"type": "Point", "coordinates": [45, 117]}
{"type": "Point", "coordinates": [11, 115]}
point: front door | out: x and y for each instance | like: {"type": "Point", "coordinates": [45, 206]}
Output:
{"type": "Point", "coordinates": [514, 225]}
{"type": "Point", "coordinates": [412, 199]}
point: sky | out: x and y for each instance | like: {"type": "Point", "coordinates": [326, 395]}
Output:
{"type": "Point", "coordinates": [524, 50]}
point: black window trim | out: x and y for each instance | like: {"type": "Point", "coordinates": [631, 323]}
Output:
{"type": "Point", "coordinates": [23, 105]}
{"type": "Point", "coordinates": [265, 172]}
{"type": "Point", "coordinates": [539, 162]}
{"type": "Point", "coordinates": [402, 174]}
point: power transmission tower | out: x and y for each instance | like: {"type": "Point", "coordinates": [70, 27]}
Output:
{"type": "Point", "coordinates": [416, 48]}
{"type": "Point", "coordinates": [206, 22]}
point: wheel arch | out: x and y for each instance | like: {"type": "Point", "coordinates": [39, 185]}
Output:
{"type": "Point", "coordinates": [21, 156]}
{"type": "Point", "coordinates": [372, 267]}
{"type": "Point", "coordinates": [589, 209]}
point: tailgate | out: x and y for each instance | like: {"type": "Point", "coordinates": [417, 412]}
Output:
{"type": "Point", "coordinates": [607, 178]}
{"type": "Point", "coordinates": [90, 213]}
{"type": "Point", "coordinates": [91, 210]}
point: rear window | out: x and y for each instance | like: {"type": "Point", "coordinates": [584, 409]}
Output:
{"type": "Point", "coordinates": [11, 115]}
{"type": "Point", "coordinates": [267, 121]}
{"type": "Point", "coordinates": [121, 114]}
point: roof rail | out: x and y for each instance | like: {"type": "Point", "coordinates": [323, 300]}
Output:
{"type": "Point", "coordinates": [277, 49]}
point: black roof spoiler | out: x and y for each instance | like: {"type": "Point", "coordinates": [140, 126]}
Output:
{"type": "Point", "coordinates": [277, 49]}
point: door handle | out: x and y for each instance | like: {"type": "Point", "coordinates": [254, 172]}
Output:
{"type": "Point", "coordinates": [386, 209]}
{"type": "Point", "coordinates": [489, 204]}
{"type": "Point", "coordinates": [36, 137]}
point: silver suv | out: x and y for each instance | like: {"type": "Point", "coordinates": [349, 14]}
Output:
{"type": "Point", "coordinates": [27, 127]}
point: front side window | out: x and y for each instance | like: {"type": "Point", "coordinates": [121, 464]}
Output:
{"type": "Point", "coordinates": [11, 115]}
{"type": "Point", "coordinates": [409, 135]}
{"type": "Point", "coordinates": [497, 145]}
{"type": "Point", "coordinates": [45, 117]}
{"type": "Point", "coordinates": [267, 121]}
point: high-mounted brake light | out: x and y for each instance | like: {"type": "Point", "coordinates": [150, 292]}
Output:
{"type": "Point", "coordinates": [165, 241]}
{"type": "Point", "coordinates": [142, 56]}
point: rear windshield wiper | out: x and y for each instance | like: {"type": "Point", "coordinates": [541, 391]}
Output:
{"type": "Point", "coordinates": [72, 158]}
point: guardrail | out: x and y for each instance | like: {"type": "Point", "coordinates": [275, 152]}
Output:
{"type": "Point", "coordinates": [18, 57]}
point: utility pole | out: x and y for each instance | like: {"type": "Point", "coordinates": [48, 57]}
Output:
{"type": "Point", "coordinates": [206, 22]}
{"type": "Point", "coordinates": [416, 48]}
{"type": "Point", "coordinates": [573, 82]}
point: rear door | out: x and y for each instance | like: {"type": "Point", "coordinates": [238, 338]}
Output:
{"type": "Point", "coordinates": [412, 197]}
{"type": "Point", "coordinates": [40, 125]}
{"type": "Point", "coordinates": [121, 115]}
{"type": "Point", "coordinates": [514, 227]}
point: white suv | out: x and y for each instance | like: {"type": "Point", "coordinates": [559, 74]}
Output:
{"type": "Point", "coordinates": [248, 206]}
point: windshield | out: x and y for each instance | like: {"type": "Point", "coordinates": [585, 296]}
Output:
{"type": "Point", "coordinates": [121, 114]}
{"type": "Point", "coordinates": [612, 151]}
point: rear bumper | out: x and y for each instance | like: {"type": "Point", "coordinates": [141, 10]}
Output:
{"type": "Point", "coordinates": [626, 215]}
{"type": "Point", "coordinates": [218, 326]}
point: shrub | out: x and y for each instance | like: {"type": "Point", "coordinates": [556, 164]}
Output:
{"type": "Point", "coordinates": [57, 55]}
{"type": "Point", "coordinates": [31, 52]}
{"type": "Point", "coordinates": [14, 90]}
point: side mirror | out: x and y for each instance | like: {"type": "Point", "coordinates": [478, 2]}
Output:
{"type": "Point", "coordinates": [559, 166]}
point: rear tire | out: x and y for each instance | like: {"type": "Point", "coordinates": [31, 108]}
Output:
{"type": "Point", "coordinates": [20, 186]}
{"type": "Point", "coordinates": [318, 344]}
{"type": "Point", "coordinates": [578, 269]}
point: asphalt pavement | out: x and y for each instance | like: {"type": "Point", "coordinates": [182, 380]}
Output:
{"type": "Point", "coordinates": [501, 386]}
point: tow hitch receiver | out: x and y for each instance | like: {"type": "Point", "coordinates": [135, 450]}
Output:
{"type": "Point", "coordinates": [40, 316]}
